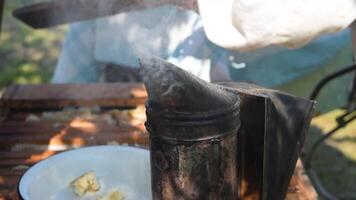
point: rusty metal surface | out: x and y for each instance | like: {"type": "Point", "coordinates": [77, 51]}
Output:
{"type": "Point", "coordinates": [193, 128]}
{"type": "Point", "coordinates": [194, 170]}
{"type": "Point", "coordinates": [193, 159]}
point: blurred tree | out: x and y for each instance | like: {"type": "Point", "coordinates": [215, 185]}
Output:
{"type": "Point", "coordinates": [27, 55]}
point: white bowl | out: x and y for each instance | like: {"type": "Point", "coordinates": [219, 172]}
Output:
{"type": "Point", "coordinates": [121, 167]}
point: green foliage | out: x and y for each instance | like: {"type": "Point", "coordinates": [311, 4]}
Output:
{"type": "Point", "coordinates": [27, 55]}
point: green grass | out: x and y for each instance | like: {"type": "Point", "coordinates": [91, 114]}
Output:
{"type": "Point", "coordinates": [27, 55]}
{"type": "Point", "coordinates": [335, 160]}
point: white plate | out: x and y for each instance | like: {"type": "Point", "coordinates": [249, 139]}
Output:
{"type": "Point", "coordinates": [124, 168]}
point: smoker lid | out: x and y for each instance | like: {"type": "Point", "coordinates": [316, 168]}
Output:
{"type": "Point", "coordinates": [182, 107]}
{"type": "Point", "coordinates": [171, 89]}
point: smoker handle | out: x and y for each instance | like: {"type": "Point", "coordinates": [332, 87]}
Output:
{"type": "Point", "coordinates": [58, 12]}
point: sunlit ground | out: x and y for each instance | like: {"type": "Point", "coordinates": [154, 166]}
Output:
{"type": "Point", "coordinates": [335, 160]}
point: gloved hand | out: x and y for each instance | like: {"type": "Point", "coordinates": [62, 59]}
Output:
{"type": "Point", "coordinates": [252, 24]}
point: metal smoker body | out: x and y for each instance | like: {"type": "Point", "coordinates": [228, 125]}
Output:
{"type": "Point", "coordinates": [193, 155]}
{"type": "Point", "coordinates": [200, 151]}
{"type": "Point", "coordinates": [193, 128]}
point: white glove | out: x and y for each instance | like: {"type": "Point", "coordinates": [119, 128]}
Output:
{"type": "Point", "coordinates": [252, 24]}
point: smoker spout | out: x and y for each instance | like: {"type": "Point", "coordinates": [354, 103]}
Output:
{"type": "Point", "coordinates": [177, 90]}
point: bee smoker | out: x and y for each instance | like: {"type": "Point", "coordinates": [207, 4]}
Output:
{"type": "Point", "coordinates": [227, 141]}
{"type": "Point", "coordinates": [193, 141]}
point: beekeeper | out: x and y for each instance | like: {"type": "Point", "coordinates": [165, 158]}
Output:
{"type": "Point", "coordinates": [226, 40]}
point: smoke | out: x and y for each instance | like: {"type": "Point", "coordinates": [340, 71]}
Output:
{"type": "Point", "coordinates": [129, 30]}
{"type": "Point", "coordinates": [151, 26]}
{"type": "Point", "coordinates": [157, 38]}
{"type": "Point", "coordinates": [160, 40]}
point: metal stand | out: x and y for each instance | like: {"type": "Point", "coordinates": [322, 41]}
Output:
{"type": "Point", "coordinates": [342, 120]}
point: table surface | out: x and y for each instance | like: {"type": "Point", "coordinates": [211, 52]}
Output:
{"type": "Point", "coordinates": [25, 143]}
